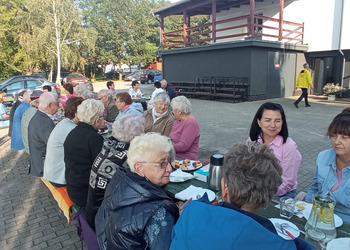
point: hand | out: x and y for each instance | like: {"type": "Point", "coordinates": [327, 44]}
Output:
{"type": "Point", "coordinates": [181, 205]}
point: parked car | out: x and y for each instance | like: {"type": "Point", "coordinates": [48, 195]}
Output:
{"type": "Point", "coordinates": [13, 85]}
{"type": "Point", "coordinates": [76, 79]}
{"type": "Point", "coordinates": [150, 76]}
{"type": "Point", "coordinates": [134, 76]}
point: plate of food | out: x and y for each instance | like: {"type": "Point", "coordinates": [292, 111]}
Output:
{"type": "Point", "coordinates": [187, 165]}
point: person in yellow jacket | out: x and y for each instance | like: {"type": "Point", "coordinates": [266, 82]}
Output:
{"type": "Point", "coordinates": [303, 82]}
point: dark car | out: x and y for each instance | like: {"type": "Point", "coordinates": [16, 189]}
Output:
{"type": "Point", "coordinates": [134, 76]}
{"type": "Point", "coordinates": [76, 79]}
{"type": "Point", "coordinates": [16, 84]}
{"type": "Point", "coordinates": [150, 76]}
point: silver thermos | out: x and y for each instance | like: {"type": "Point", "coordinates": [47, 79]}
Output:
{"type": "Point", "coordinates": [215, 172]}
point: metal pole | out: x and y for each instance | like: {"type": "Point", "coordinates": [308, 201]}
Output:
{"type": "Point", "coordinates": [280, 31]}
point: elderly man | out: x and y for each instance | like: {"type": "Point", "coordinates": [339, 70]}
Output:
{"type": "Point", "coordinates": [111, 111]}
{"type": "Point", "coordinates": [39, 130]}
{"type": "Point", "coordinates": [169, 88]}
{"type": "Point", "coordinates": [16, 137]}
{"type": "Point", "coordinates": [126, 106]}
{"type": "Point", "coordinates": [27, 117]}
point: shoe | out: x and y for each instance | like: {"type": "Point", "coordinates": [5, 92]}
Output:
{"type": "Point", "coordinates": [307, 105]}
{"type": "Point", "coordinates": [296, 105]}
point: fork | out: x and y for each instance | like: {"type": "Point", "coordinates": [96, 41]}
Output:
{"type": "Point", "coordinates": [284, 231]}
{"type": "Point", "coordinates": [284, 225]}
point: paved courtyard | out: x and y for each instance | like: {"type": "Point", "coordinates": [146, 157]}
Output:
{"type": "Point", "coordinates": [30, 218]}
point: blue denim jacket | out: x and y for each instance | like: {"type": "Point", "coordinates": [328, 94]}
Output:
{"type": "Point", "coordinates": [325, 178]}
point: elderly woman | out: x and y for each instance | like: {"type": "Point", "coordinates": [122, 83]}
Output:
{"type": "Point", "coordinates": [134, 90]}
{"type": "Point", "coordinates": [126, 106]}
{"type": "Point", "coordinates": [332, 173]}
{"type": "Point", "coordinates": [136, 213]}
{"type": "Point", "coordinates": [159, 118]}
{"type": "Point", "coordinates": [269, 126]}
{"type": "Point", "coordinates": [185, 132]}
{"type": "Point", "coordinates": [4, 113]}
{"type": "Point", "coordinates": [81, 147]}
{"type": "Point", "coordinates": [111, 110]}
{"type": "Point", "coordinates": [54, 166]}
{"type": "Point", "coordinates": [251, 176]}
{"type": "Point", "coordinates": [111, 157]}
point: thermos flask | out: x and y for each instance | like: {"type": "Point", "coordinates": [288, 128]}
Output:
{"type": "Point", "coordinates": [215, 175]}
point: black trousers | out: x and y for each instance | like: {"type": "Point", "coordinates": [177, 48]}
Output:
{"type": "Point", "coordinates": [303, 95]}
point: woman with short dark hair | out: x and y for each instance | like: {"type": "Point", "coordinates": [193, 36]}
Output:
{"type": "Point", "coordinates": [269, 126]}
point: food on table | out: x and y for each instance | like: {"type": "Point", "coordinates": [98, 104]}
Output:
{"type": "Point", "coordinates": [176, 164]}
{"type": "Point", "coordinates": [196, 164]}
{"type": "Point", "coordinates": [183, 167]}
{"type": "Point", "coordinates": [186, 162]}
{"type": "Point", "coordinates": [300, 205]}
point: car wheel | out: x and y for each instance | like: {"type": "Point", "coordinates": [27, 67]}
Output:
{"type": "Point", "coordinates": [142, 82]}
{"type": "Point", "coordinates": [149, 81]}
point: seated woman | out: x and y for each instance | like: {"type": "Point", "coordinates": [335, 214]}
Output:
{"type": "Point", "coordinates": [333, 167]}
{"type": "Point", "coordinates": [134, 90]}
{"type": "Point", "coordinates": [4, 113]}
{"type": "Point", "coordinates": [159, 118]}
{"type": "Point", "coordinates": [81, 147]}
{"type": "Point", "coordinates": [269, 126]}
{"type": "Point", "coordinates": [111, 157]}
{"type": "Point", "coordinates": [251, 176]}
{"type": "Point", "coordinates": [54, 166]}
{"type": "Point", "coordinates": [126, 106]}
{"type": "Point", "coordinates": [69, 92]}
{"type": "Point", "coordinates": [136, 213]}
{"type": "Point", "coordinates": [185, 132]}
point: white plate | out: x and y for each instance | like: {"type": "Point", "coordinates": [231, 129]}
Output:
{"type": "Point", "coordinates": [340, 243]}
{"type": "Point", "coordinates": [293, 229]}
{"type": "Point", "coordinates": [189, 167]}
{"type": "Point", "coordinates": [306, 212]}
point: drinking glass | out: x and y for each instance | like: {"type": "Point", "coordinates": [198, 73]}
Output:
{"type": "Point", "coordinates": [287, 206]}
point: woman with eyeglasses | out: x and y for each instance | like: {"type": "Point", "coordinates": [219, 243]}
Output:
{"type": "Point", "coordinates": [136, 213]}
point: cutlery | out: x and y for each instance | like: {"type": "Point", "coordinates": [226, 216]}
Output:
{"type": "Point", "coordinates": [284, 231]}
{"type": "Point", "coordinates": [284, 225]}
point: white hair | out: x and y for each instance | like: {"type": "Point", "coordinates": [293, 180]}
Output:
{"type": "Point", "coordinates": [46, 98]}
{"type": "Point", "coordinates": [144, 146]}
{"type": "Point", "coordinates": [26, 96]}
{"type": "Point", "coordinates": [90, 110]}
{"type": "Point", "coordinates": [127, 127]}
{"type": "Point", "coordinates": [162, 97]}
{"type": "Point", "coordinates": [106, 92]}
{"type": "Point", "coordinates": [181, 103]}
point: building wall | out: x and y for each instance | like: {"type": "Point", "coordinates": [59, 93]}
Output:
{"type": "Point", "coordinates": [255, 60]}
{"type": "Point", "coordinates": [321, 20]}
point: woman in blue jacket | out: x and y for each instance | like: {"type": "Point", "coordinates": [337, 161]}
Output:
{"type": "Point", "coordinates": [251, 177]}
{"type": "Point", "coordinates": [333, 167]}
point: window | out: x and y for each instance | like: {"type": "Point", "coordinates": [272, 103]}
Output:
{"type": "Point", "coordinates": [15, 85]}
{"type": "Point", "coordinates": [32, 84]}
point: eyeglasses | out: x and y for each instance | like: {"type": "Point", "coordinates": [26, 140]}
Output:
{"type": "Point", "coordinates": [162, 165]}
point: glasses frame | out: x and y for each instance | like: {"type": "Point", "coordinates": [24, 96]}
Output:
{"type": "Point", "coordinates": [159, 164]}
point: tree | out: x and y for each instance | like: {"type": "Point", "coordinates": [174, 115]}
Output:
{"type": "Point", "coordinates": [48, 25]}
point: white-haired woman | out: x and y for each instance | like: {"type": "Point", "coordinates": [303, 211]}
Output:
{"type": "Point", "coordinates": [251, 177]}
{"type": "Point", "coordinates": [81, 147]}
{"type": "Point", "coordinates": [185, 132]}
{"type": "Point", "coordinates": [159, 118]}
{"type": "Point", "coordinates": [111, 157]}
{"type": "Point", "coordinates": [136, 213]}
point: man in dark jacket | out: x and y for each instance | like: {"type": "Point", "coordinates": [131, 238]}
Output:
{"type": "Point", "coordinates": [169, 88]}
